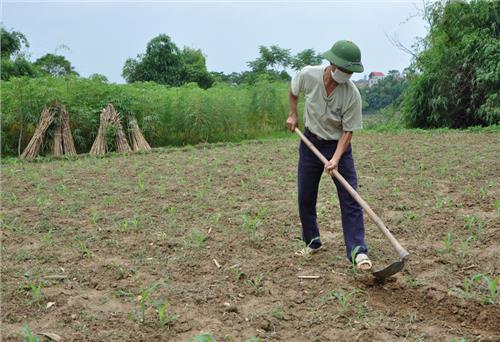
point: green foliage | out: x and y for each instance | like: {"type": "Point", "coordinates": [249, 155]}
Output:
{"type": "Point", "coordinates": [17, 67]}
{"type": "Point", "coordinates": [271, 65]}
{"type": "Point", "coordinates": [12, 42]}
{"type": "Point", "coordinates": [271, 58]}
{"type": "Point", "coordinates": [165, 63]}
{"type": "Point", "coordinates": [479, 285]}
{"type": "Point", "coordinates": [385, 92]}
{"type": "Point", "coordinates": [195, 69]}
{"type": "Point", "coordinates": [236, 78]}
{"type": "Point", "coordinates": [167, 116]}
{"type": "Point", "coordinates": [203, 338]}
{"type": "Point", "coordinates": [28, 335]}
{"type": "Point", "coordinates": [14, 62]}
{"type": "Point", "coordinates": [457, 75]}
{"type": "Point", "coordinates": [55, 65]}
{"type": "Point", "coordinates": [273, 61]}
{"type": "Point", "coordinates": [305, 57]}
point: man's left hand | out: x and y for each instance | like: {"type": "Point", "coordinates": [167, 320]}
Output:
{"type": "Point", "coordinates": [333, 164]}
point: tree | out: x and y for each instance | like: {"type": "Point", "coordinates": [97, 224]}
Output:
{"type": "Point", "coordinates": [165, 63]}
{"type": "Point", "coordinates": [194, 68]}
{"type": "Point", "coordinates": [12, 42]}
{"type": "Point", "coordinates": [273, 60]}
{"type": "Point", "coordinates": [455, 78]}
{"type": "Point", "coordinates": [17, 68]}
{"type": "Point", "coordinates": [99, 78]}
{"type": "Point", "coordinates": [236, 78]}
{"type": "Point", "coordinates": [385, 92]}
{"type": "Point", "coordinates": [55, 65]}
{"type": "Point", "coordinates": [305, 57]}
{"type": "Point", "coordinates": [161, 63]}
{"type": "Point", "coordinates": [13, 61]}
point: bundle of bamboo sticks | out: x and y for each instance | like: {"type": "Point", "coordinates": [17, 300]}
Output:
{"type": "Point", "coordinates": [67, 138]}
{"type": "Point", "coordinates": [33, 148]}
{"type": "Point", "coordinates": [63, 140]}
{"type": "Point", "coordinates": [110, 119]}
{"type": "Point", "coordinates": [138, 141]}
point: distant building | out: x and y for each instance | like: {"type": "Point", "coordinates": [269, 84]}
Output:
{"type": "Point", "coordinates": [362, 83]}
{"type": "Point", "coordinates": [374, 77]}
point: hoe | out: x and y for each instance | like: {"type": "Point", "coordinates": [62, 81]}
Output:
{"type": "Point", "coordinates": [393, 268]}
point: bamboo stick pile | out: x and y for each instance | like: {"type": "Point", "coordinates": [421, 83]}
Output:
{"type": "Point", "coordinates": [57, 145]}
{"type": "Point", "coordinates": [67, 138]}
{"type": "Point", "coordinates": [58, 116]}
{"type": "Point", "coordinates": [139, 143]}
{"type": "Point", "coordinates": [33, 148]}
{"type": "Point", "coordinates": [109, 119]}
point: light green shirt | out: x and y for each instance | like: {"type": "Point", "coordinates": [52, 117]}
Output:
{"type": "Point", "coordinates": [327, 116]}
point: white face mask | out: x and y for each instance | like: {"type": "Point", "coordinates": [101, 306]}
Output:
{"type": "Point", "coordinates": [340, 76]}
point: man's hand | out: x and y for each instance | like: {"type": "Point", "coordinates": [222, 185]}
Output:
{"type": "Point", "coordinates": [292, 122]}
{"type": "Point", "coordinates": [333, 164]}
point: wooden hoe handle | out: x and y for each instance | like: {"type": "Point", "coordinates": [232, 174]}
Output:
{"type": "Point", "coordinates": [397, 246]}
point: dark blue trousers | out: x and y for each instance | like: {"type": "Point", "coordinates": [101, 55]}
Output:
{"type": "Point", "coordinates": [310, 170]}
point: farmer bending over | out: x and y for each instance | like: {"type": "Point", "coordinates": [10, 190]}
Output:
{"type": "Point", "coordinates": [331, 113]}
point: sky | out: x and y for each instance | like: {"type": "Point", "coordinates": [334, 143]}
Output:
{"type": "Point", "coordinates": [99, 36]}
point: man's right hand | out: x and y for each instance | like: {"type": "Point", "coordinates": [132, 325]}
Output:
{"type": "Point", "coordinates": [292, 122]}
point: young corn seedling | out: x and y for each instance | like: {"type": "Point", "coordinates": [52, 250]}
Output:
{"type": "Point", "coordinates": [198, 238]}
{"type": "Point", "coordinates": [448, 239]}
{"type": "Point", "coordinates": [277, 313]}
{"type": "Point", "coordinates": [214, 220]}
{"type": "Point", "coordinates": [172, 215]}
{"type": "Point", "coordinates": [144, 299]}
{"type": "Point", "coordinates": [493, 294]}
{"type": "Point", "coordinates": [237, 272]}
{"type": "Point", "coordinates": [203, 338]}
{"type": "Point", "coordinates": [255, 283]}
{"type": "Point", "coordinates": [344, 298]}
{"type": "Point", "coordinates": [250, 225]}
{"type": "Point", "coordinates": [84, 249]}
{"type": "Point", "coordinates": [48, 239]}
{"type": "Point", "coordinates": [474, 226]}
{"type": "Point", "coordinates": [464, 246]}
{"type": "Point", "coordinates": [141, 186]}
{"type": "Point", "coordinates": [28, 335]}
{"type": "Point", "coordinates": [468, 286]}
{"type": "Point", "coordinates": [163, 316]}
{"type": "Point", "coordinates": [36, 292]}
{"type": "Point", "coordinates": [254, 339]}
{"type": "Point", "coordinates": [484, 192]}
{"type": "Point", "coordinates": [130, 224]}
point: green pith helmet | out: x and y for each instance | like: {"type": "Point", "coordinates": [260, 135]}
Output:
{"type": "Point", "coordinates": [345, 55]}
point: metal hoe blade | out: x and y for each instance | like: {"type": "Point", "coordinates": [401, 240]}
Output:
{"type": "Point", "coordinates": [389, 270]}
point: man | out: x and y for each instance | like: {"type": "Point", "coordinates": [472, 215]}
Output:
{"type": "Point", "coordinates": [332, 112]}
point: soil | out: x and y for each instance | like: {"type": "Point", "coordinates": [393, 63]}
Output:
{"type": "Point", "coordinates": [211, 231]}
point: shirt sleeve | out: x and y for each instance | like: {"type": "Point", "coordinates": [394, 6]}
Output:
{"type": "Point", "coordinates": [352, 119]}
{"type": "Point", "coordinates": [297, 84]}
